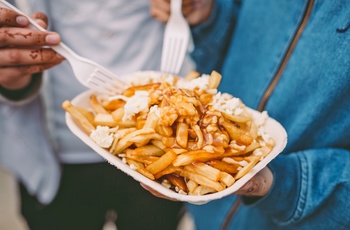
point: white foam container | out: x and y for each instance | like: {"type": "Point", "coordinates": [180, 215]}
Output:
{"type": "Point", "coordinates": [271, 126]}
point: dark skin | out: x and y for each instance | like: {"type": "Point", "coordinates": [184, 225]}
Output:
{"type": "Point", "coordinates": [21, 49]}
{"type": "Point", "coordinates": [195, 11]}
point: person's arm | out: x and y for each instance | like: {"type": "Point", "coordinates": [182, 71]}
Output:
{"type": "Point", "coordinates": [23, 56]}
{"type": "Point", "coordinates": [309, 186]}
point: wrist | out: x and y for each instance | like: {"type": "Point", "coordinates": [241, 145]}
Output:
{"type": "Point", "coordinates": [22, 93]}
{"type": "Point", "coordinates": [259, 185]}
{"type": "Point", "coordinates": [19, 84]}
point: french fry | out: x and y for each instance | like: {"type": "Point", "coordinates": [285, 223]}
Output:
{"type": "Point", "coordinates": [126, 124]}
{"type": "Point", "coordinates": [179, 151]}
{"type": "Point", "coordinates": [177, 181]}
{"type": "Point", "coordinates": [270, 142]}
{"type": "Point", "coordinates": [123, 132]}
{"type": "Point", "coordinates": [204, 169]}
{"type": "Point", "coordinates": [143, 139]}
{"type": "Point", "coordinates": [202, 180]}
{"type": "Point", "coordinates": [251, 147]}
{"type": "Point", "coordinates": [131, 90]}
{"type": "Point", "coordinates": [113, 104]}
{"type": "Point", "coordinates": [143, 159]}
{"type": "Point", "coordinates": [214, 149]}
{"type": "Point", "coordinates": [118, 114]}
{"type": "Point", "coordinates": [119, 134]}
{"type": "Point", "coordinates": [104, 119]}
{"type": "Point", "coordinates": [182, 134]}
{"type": "Point", "coordinates": [165, 160]}
{"type": "Point", "coordinates": [140, 120]}
{"type": "Point", "coordinates": [139, 167]}
{"type": "Point", "coordinates": [96, 106]}
{"type": "Point", "coordinates": [253, 130]}
{"type": "Point", "coordinates": [78, 116]}
{"type": "Point", "coordinates": [192, 75]}
{"type": "Point", "coordinates": [165, 131]}
{"type": "Point", "coordinates": [247, 168]}
{"type": "Point", "coordinates": [148, 150]}
{"type": "Point", "coordinates": [192, 156]}
{"type": "Point", "coordinates": [86, 113]}
{"type": "Point", "coordinates": [265, 150]}
{"type": "Point", "coordinates": [125, 142]}
{"type": "Point", "coordinates": [198, 155]}
{"type": "Point", "coordinates": [236, 133]}
{"type": "Point", "coordinates": [159, 144]}
{"type": "Point", "coordinates": [169, 141]}
{"type": "Point", "coordinates": [226, 179]}
{"type": "Point", "coordinates": [237, 118]}
{"type": "Point", "coordinates": [151, 121]}
{"type": "Point", "coordinates": [192, 145]}
{"type": "Point", "coordinates": [205, 98]}
{"type": "Point", "coordinates": [202, 190]}
{"type": "Point", "coordinates": [191, 186]}
{"type": "Point", "coordinates": [168, 170]}
{"type": "Point", "coordinates": [252, 157]}
{"type": "Point", "coordinates": [223, 166]}
{"type": "Point", "coordinates": [118, 118]}
{"type": "Point", "coordinates": [214, 80]}
{"type": "Point", "coordinates": [233, 152]}
{"type": "Point", "coordinates": [200, 138]}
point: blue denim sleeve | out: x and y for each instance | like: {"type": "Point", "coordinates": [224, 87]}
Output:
{"type": "Point", "coordinates": [310, 187]}
{"type": "Point", "coordinates": [212, 38]}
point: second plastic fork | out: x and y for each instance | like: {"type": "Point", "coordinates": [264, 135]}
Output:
{"type": "Point", "coordinates": [89, 73]}
{"type": "Point", "coordinates": [176, 38]}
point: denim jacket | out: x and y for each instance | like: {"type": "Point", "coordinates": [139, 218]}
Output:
{"type": "Point", "coordinates": [302, 48]}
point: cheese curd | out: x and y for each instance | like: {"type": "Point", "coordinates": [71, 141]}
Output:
{"type": "Point", "coordinates": [136, 104]}
{"type": "Point", "coordinates": [197, 83]}
{"type": "Point", "coordinates": [102, 137]}
{"type": "Point", "coordinates": [226, 103]}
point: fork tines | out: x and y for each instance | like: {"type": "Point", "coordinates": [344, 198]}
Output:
{"type": "Point", "coordinates": [173, 55]}
{"type": "Point", "coordinates": [100, 80]}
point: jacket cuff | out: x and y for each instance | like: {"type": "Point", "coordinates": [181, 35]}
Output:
{"type": "Point", "coordinates": [285, 190]}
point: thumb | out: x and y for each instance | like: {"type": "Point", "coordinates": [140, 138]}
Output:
{"type": "Point", "coordinates": [259, 185]}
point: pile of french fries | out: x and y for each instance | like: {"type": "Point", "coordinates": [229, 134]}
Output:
{"type": "Point", "coordinates": [189, 139]}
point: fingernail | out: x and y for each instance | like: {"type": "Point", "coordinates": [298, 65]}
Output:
{"type": "Point", "coordinates": [52, 38]}
{"type": "Point", "coordinates": [21, 20]}
{"type": "Point", "coordinates": [247, 187]}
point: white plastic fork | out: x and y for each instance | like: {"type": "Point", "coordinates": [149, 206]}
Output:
{"type": "Point", "coordinates": [89, 73]}
{"type": "Point", "coordinates": [176, 38]}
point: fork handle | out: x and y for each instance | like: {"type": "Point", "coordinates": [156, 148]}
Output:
{"type": "Point", "coordinates": [176, 5]}
{"type": "Point", "coordinates": [61, 48]}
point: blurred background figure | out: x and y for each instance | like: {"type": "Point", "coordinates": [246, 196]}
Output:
{"type": "Point", "coordinates": [10, 209]}
{"type": "Point", "coordinates": [63, 183]}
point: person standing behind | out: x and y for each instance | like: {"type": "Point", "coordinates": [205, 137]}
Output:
{"type": "Point", "coordinates": [64, 184]}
